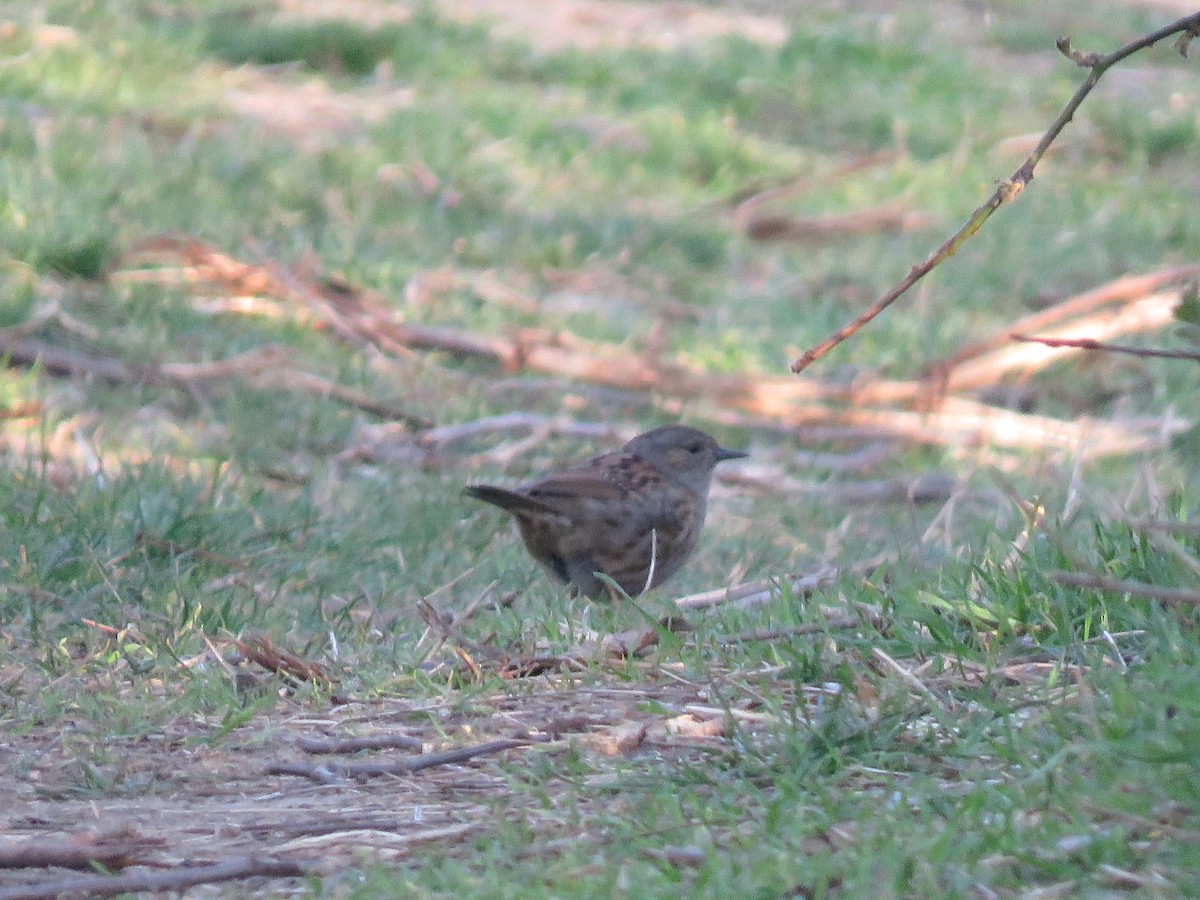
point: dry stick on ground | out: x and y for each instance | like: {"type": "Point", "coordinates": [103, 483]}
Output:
{"type": "Point", "coordinates": [1093, 344]}
{"type": "Point", "coordinates": [892, 215]}
{"type": "Point", "coordinates": [912, 680]}
{"type": "Point", "coordinates": [1144, 313]}
{"type": "Point", "coordinates": [176, 879]}
{"type": "Point", "coordinates": [743, 213]}
{"type": "Point", "coordinates": [113, 850]}
{"type": "Point", "coordinates": [316, 745]}
{"type": "Point", "coordinates": [836, 623]}
{"type": "Point", "coordinates": [148, 539]}
{"type": "Point", "coordinates": [930, 488]}
{"type": "Point", "coordinates": [1168, 595]}
{"type": "Point", "coordinates": [520, 421]}
{"type": "Point", "coordinates": [265, 367]}
{"type": "Point", "coordinates": [336, 771]}
{"type": "Point", "coordinates": [1009, 190]}
{"type": "Point", "coordinates": [287, 665]}
{"type": "Point", "coordinates": [756, 593]}
{"type": "Point", "coordinates": [364, 320]}
{"type": "Point", "coordinates": [1123, 289]}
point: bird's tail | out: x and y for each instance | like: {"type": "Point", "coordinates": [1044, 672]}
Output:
{"type": "Point", "coordinates": [507, 500]}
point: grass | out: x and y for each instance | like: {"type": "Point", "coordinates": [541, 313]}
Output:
{"type": "Point", "coordinates": [1055, 745]}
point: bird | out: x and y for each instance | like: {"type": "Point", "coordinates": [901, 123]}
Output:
{"type": "Point", "coordinates": [634, 514]}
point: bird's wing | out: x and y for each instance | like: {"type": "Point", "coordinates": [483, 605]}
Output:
{"type": "Point", "coordinates": [581, 483]}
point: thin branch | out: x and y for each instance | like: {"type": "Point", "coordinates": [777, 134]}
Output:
{"type": "Point", "coordinates": [336, 771]}
{"type": "Point", "coordinates": [113, 850]}
{"type": "Point", "coordinates": [1092, 344]}
{"type": "Point", "coordinates": [744, 212]}
{"type": "Point", "coordinates": [912, 680]}
{"type": "Point", "coordinates": [1168, 595]}
{"type": "Point", "coordinates": [1006, 191]}
{"type": "Point", "coordinates": [756, 593]}
{"type": "Point", "coordinates": [263, 367]}
{"type": "Point", "coordinates": [287, 665]}
{"type": "Point", "coordinates": [934, 487]}
{"type": "Point", "coordinates": [1120, 290]}
{"type": "Point", "coordinates": [893, 215]}
{"type": "Point", "coordinates": [176, 879]}
{"type": "Point", "coordinates": [315, 745]}
{"type": "Point", "coordinates": [836, 623]}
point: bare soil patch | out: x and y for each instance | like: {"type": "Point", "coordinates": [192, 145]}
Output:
{"type": "Point", "coordinates": [179, 797]}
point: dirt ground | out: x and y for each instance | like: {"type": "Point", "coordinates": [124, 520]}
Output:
{"type": "Point", "coordinates": [178, 798]}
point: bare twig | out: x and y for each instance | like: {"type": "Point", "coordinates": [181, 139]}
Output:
{"type": "Point", "coordinates": [756, 593]}
{"type": "Point", "coordinates": [894, 215]}
{"type": "Point", "coordinates": [315, 745]}
{"type": "Point", "coordinates": [519, 421]}
{"type": "Point", "coordinates": [930, 488]}
{"type": "Point", "coordinates": [357, 316]}
{"type": "Point", "coordinates": [148, 539]}
{"type": "Point", "coordinates": [287, 665]}
{"type": "Point", "coordinates": [176, 879]}
{"type": "Point", "coordinates": [113, 850]}
{"type": "Point", "coordinates": [335, 771]}
{"type": "Point", "coordinates": [1120, 290]}
{"type": "Point", "coordinates": [1146, 313]}
{"type": "Point", "coordinates": [836, 623]}
{"type": "Point", "coordinates": [265, 367]}
{"type": "Point", "coordinates": [1007, 191]}
{"type": "Point", "coordinates": [1168, 595]}
{"type": "Point", "coordinates": [744, 212]}
{"type": "Point", "coordinates": [911, 680]}
{"type": "Point", "coordinates": [1092, 344]}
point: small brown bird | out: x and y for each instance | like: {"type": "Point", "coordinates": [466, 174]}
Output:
{"type": "Point", "coordinates": [634, 515]}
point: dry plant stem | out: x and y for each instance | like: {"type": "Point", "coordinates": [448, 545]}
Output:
{"type": "Point", "coordinates": [317, 745]}
{"type": "Point", "coordinates": [892, 215]}
{"type": "Point", "coordinates": [176, 879]}
{"type": "Point", "coordinates": [930, 488]}
{"type": "Point", "coordinates": [286, 665]}
{"type": "Point", "coordinates": [838, 623]}
{"type": "Point", "coordinates": [264, 367]}
{"type": "Point", "coordinates": [331, 772]}
{"type": "Point", "coordinates": [744, 211]}
{"type": "Point", "coordinates": [912, 680]}
{"type": "Point", "coordinates": [446, 627]}
{"type": "Point", "coordinates": [757, 593]}
{"type": "Point", "coordinates": [118, 850]}
{"type": "Point", "coordinates": [1006, 191]}
{"type": "Point", "coordinates": [366, 321]}
{"type": "Point", "coordinates": [1092, 344]}
{"type": "Point", "coordinates": [1170, 596]}
{"type": "Point", "coordinates": [520, 421]}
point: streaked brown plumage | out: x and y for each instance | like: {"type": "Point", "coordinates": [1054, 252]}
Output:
{"type": "Point", "coordinates": [614, 512]}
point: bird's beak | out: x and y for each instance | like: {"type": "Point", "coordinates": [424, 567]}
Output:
{"type": "Point", "coordinates": [724, 453]}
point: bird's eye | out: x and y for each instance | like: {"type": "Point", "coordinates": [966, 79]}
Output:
{"type": "Point", "coordinates": [694, 448]}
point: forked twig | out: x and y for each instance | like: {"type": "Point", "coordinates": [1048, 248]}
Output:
{"type": "Point", "coordinates": [1007, 191]}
